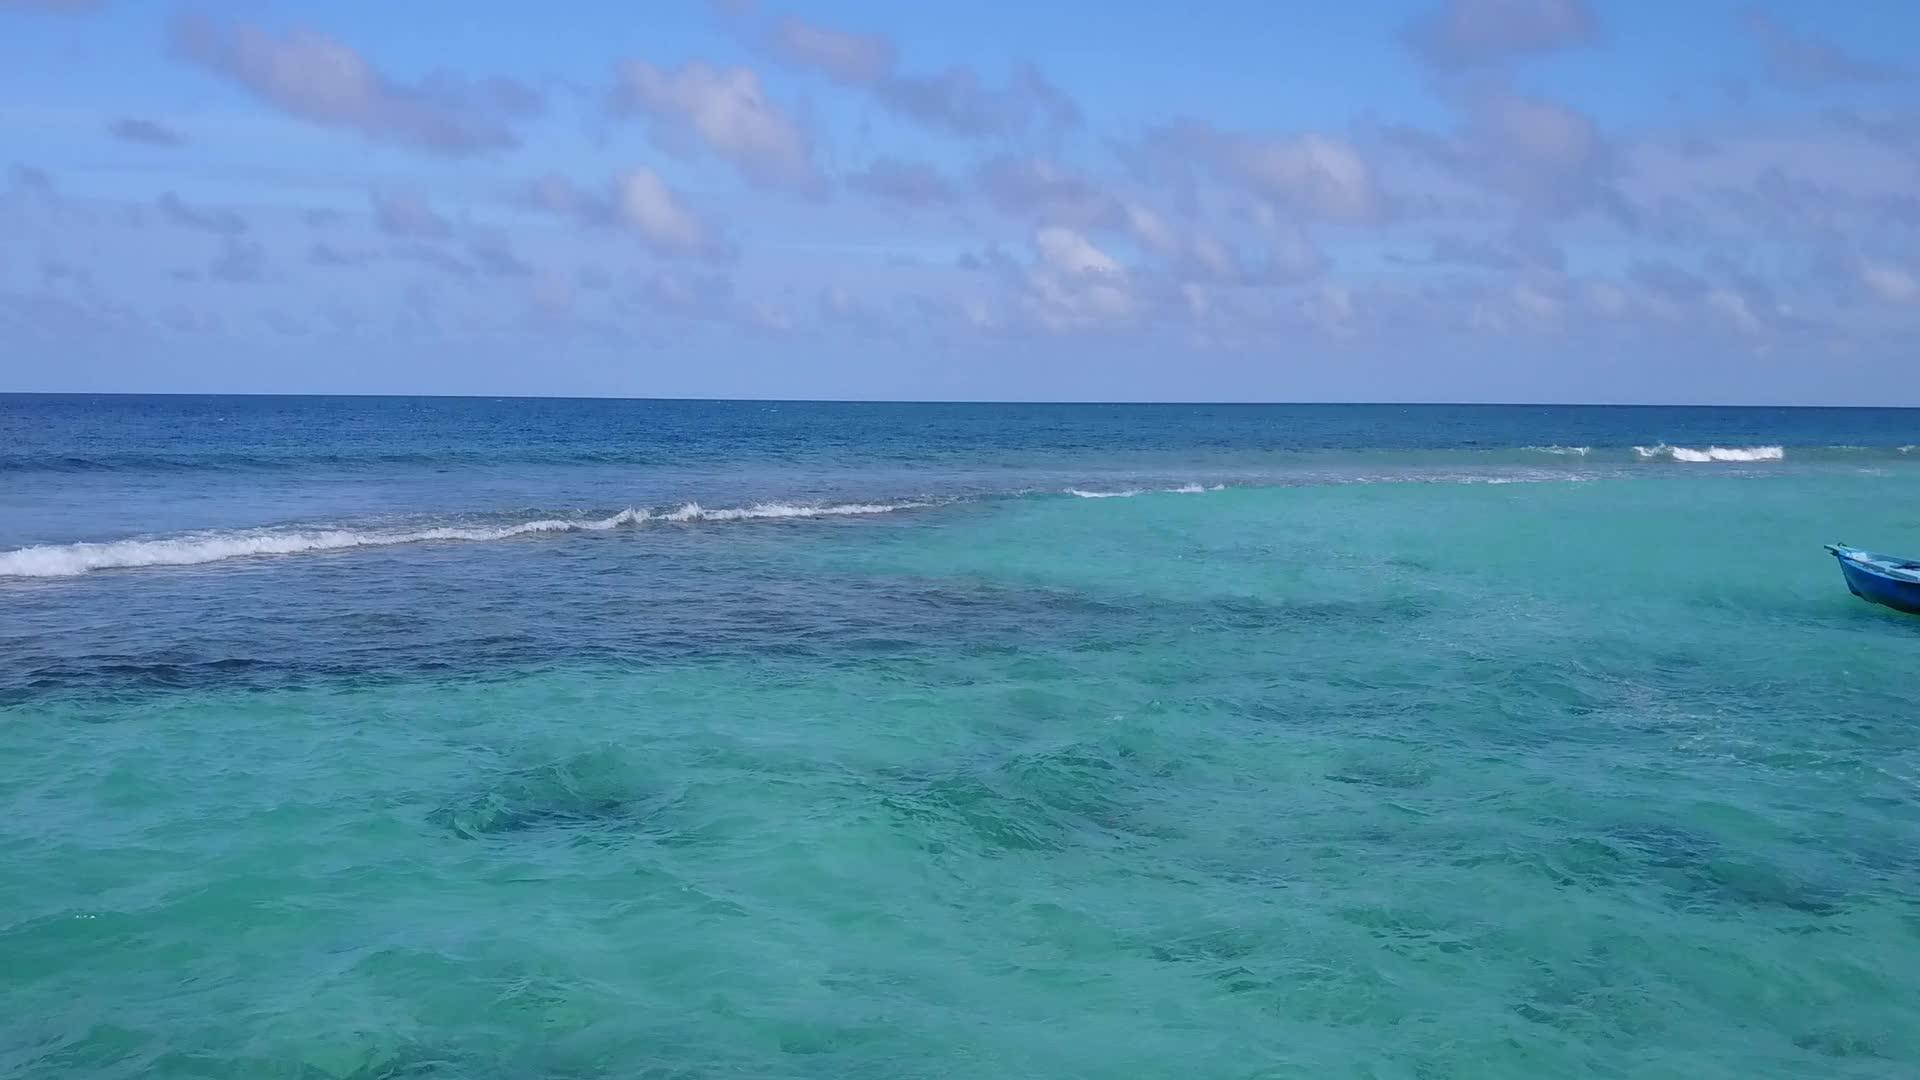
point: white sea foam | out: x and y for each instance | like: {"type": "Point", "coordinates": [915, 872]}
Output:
{"type": "Point", "coordinates": [67, 560]}
{"type": "Point", "coordinates": [1734, 453]}
{"type": "Point", "coordinates": [773, 511]}
{"type": "Point", "coordinates": [1712, 453]}
{"type": "Point", "coordinates": [1562, 451]}
{"type": "Point", "coordinates": [1128, 493]}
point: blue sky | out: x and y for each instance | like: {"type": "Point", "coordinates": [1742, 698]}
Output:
{"type": "Point", "coordinates": [1506, 200]}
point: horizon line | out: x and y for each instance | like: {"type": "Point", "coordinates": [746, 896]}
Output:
{"type": "Point", "coordinates": [952, 401]}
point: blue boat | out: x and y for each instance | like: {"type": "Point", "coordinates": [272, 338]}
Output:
{"type": "Point", "coordinates": [1883, 579]}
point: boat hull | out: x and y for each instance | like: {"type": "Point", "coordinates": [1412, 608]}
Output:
{"type": "Point", "coordinates": [1879, 589]}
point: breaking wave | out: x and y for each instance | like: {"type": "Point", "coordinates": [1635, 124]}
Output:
{"type": "Point", "coordinates": [778, 511]}
{"type": "Point", "coordinates": [1128, 493]}
{"type": "Point", "coordinates": [67, 560]}
{"type": "Point", "coordinates": [1711, 453]}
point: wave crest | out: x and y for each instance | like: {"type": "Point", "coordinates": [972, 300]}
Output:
{"type": "Point", "coordinates": [1128, 493]}
{"type": "Point", "coordinates": [777, 511]}
{"type": "Point", "coordinates": [1711, 453]}
{"type": "Point", "coordinates": [68, 560]}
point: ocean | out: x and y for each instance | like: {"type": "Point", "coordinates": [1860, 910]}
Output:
{"type": "Point", "coordinates": [437, 737]}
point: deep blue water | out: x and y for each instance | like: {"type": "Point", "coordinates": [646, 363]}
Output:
{"type": "Point", "coordinates": [79, 433]}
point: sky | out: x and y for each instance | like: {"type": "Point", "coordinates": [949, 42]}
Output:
{"type": "Point", "coordinates": [1377, 200]}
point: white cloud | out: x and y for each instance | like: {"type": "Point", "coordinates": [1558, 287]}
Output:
{"type": "Point", "coordinates": [215, 219]}
{"type": "Point", "coordinates": [1544, 136]}
{"type": "Point", "coordinates": [1185, 247]}
{"type": "Point", "coordinates": [1212, 255]}
{"type": "Point", "coordinates": [242, 261]}
{"type": "Point", "coordinates": [1737, 311]}
{"type": "Point", "coordinates": [1891, 283]}
{"type": "Point", "coordinates": [855, 59]}
{"type": "Point", "coordinates": [770, 317]}
{"type": "Point", "coordinates": [1153, 230]}
{"type": "Point", "coordinates": [400, 212]}
{"type": "Point", "coordinates": [1075, 285]}
{"type": "Point", "coordinates": [956, 101]}
{"type": "Point", "coordinates": [321, 253]}
{"type": "Point", "coordinates": [906, 182]}
{"type": "Point", "coordinates": [321, 80]}
{"type": "Point", "coordinates": [702, 297]}
{"type": "Point", "coordinates": [725, 110]}
{"type": "Point", "coordinates": [1330, 307]}
{"type": "Point", "coordinates": [1068, 252]}
{"type": "Point", "coordinates": [1508, 307]}
{"type": "Point", "coordinates": [1042, 190]}
{"type": "Point", "coordinates": [638, 200]}
{"type": "Point", "coordinates": [555, 194]}
{"type": "Point", "coordinates": [1317, 176]}
{"type": "Point", "coordinates": [1799, 60]}
{"type": "Point", "coordinates": [29, 179]}
{"type": "Point", "coordinates": [1198, 300]}
{"type": "Point", "coordinates": [1549, 158]}
{"type": "Point", "coordinates": [1467, 33]}
{"type": "Point", "coordinates": [140, 130]}
{"type": "Point", "coordinates": [1608, 299]}
{"type": "Point", "coordinates": [836, 302]}
{"type": "Point", "coordinates": [645, 204]}
{"type": "Point", "coordinates": [1291, 254]}
{"type": "Point", "coordinates": [1535, 303]}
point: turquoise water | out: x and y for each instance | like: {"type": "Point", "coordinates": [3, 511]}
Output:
{"type": "Point", "coordinates": [1362, 764]}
